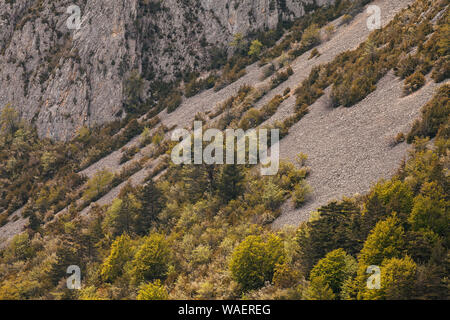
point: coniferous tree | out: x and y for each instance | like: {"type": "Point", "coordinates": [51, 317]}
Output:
{"type": "Point", "coordinates": [319, 289]}
{"type": "Point", "coordinates": [152, 202]}
{"type": "Point", "coordinates": [231, 182]}
{"type": "Point", "coordinates": [333, 229]}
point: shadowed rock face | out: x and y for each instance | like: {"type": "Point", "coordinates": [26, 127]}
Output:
{"type": "Point", "coordinates": [62, 79]}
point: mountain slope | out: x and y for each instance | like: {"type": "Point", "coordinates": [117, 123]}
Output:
{"type": "Point", "coordinates": [346, 37]}
{"type": "Point", "coordinates": [347, 145]}
{"type": "Point", "coordinates": [62, 79]}
{"type": "Point", "coordinates": [139, 226]}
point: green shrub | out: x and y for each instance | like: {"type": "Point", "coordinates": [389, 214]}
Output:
{"type": "Point", "coordinates": [268, 71]}
{"type": "Point", "coordinates": [269, 109]}
{"type": "Point", "coordinates": [329, 31]}
{"type": "Point", "coordinates": [314, 53]}
{"type": "Point", "coordinates": [352, 91]}
{"type": "Point", "coordinates": [196, 86]}
{"type": "Point", "coordinates": [281, 77]}
{"type": "Point", "coordinates": [429, 211]}
{"type": "Point", "coordinates": [441, 69]}
{"type": "Point", "coordinates": [251, 119]}
{"type": "Point", "coordinates": [19, 248]}
{"type": "Point", "coordinates": [399, 138]}
{"type": "Point", "coordinates": [128, 154]}
{"type": "Point", "coordinates": [413, 83]}
{"type": "Point", "coordinates": [346, 18]}
{"type": "Point", "coordinates": [311, 36]}
{"type": "Point", "coordinates": [255, 49]}
{"type": "Point", "coordinates": [434, 114]}
{"type": "Point", "coordinates": [173, 101]}
{"type": "Point", "coordinates": [300, 193]}
{"type": "Point", "coordinates": [407, 66]}
{"type": "Point", "coordinates": [133, 90]}
{"type": "Point", "coordinates": [145, 137]}
{"type": "Point", "coordinates": [132, 130]}
{"type": "Point", "coordinates": [398, 278]}
{"type": "Point", "coordinates": [232, 71]}
{"type": "Point", "coordinates": [97, 185]}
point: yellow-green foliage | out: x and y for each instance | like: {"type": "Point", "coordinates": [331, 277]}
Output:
{"type": "Point", "coordinates": [398, 276]}
{"type": "Point", "coordinates": [19, 249]}
{"type": "Point", "coordinates": [395, 196]}
{"type": "Point", "coordinates": [311, 36]}
{"type": "Point", "coordinates": [300, 193]}
{"type": "Point", "coordinates": [434, 115]}
{"type": "Point", "coordinates": [334, 269]}
{"type": "Point", "coordinates": [202, 229]}
{"type": "Point", "coordinates": [253, 261]}
{"type": "Point", "coordinates": [285, 276]}
{"type": "Point", "coordinates": [430, 210]}
{"type": "Point", "coordinates": [385, 241]}
{"type": "Point", "coordinates": [414, 82]}
{"type": "Point", "coordinates": [119, 256]}
{"type": "Point", "coordinates": [153, 291]}
{"type": "Point", "coordinates": [97, 185]}
{"type": "Point", "coordinates": [318, 289]}
{"type": "Point", "coordinates": [255, 48]}
{"type": "Point", "coordinates": [151, 260]}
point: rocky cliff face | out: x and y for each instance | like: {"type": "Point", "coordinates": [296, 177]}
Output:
{"type": "Point", "coordinates": [61, 78]}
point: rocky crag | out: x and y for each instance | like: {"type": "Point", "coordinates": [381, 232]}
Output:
{"type": "Point", "coordinates": [62, 78]}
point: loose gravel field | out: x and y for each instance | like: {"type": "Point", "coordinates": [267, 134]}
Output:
{"type": "Point", "coordinates": [350, 149]}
